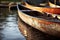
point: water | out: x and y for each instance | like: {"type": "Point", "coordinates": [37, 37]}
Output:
{"type": "Point", "coordinates": [9, 25]}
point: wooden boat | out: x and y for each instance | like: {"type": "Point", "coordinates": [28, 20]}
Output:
{"type": "Point", "coordinates": [38, 20]}
{"type": "Point", "coordinates": [54, 3]}
{"type": "Point", "coordinates": [47, 9]}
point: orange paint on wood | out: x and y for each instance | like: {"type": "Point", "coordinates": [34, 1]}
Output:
{"type": "Point", "coordinates": [44, 9]}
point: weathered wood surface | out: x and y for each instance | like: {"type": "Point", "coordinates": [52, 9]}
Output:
{"type": "Point", "coordinates": [33, 34]}
{"type": "Point", "coordinates": [52, 10]}
{"type": "Point", "coordinates": [52, 28]}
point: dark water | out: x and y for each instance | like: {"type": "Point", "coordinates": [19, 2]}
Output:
{"type": "Point", "coordinates": [9, 25]}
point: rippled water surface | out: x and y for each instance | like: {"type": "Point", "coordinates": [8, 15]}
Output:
{"type": "Point", "coordinates": [9, 26]}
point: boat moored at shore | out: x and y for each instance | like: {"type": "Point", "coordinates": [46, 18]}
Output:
{"type": "Point", "coordinates": [39, 20]}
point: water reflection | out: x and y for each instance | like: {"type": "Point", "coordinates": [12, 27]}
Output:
{"type": "Point", "coordinates": [32, 33]}
{"type": "Point", "coordinates": [8, 25]}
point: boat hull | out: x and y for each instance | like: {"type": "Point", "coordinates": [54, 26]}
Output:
{"type": "Point", "coordinates": [51, 28]}
{"type": "Point", "coordinates": [33, 34]}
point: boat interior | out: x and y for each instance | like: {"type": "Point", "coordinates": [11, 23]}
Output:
{"type": "Point", "coordinates": [37, 14]}
{"type": "Point", "coordinates": [56, 2]}
{"type": "Point", "coordinates": [29, 11]}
